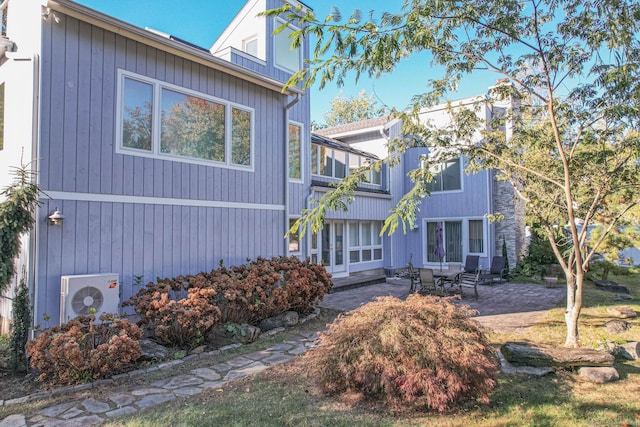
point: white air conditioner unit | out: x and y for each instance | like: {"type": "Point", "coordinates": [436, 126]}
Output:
{"type": "Point", "coordinates": [79, 294]}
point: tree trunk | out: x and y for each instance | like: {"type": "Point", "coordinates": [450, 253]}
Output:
{"type": "Point", "coordinates": [574, 306]}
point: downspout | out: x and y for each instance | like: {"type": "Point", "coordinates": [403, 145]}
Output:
{"type": "Point", "coordinates": [35, 142]}
{"type": "Point", "coordinates": [286, 168]}
{"type": "Point", "coordinates": [490, 195]}
{"type": "Point", "coordinates": [385, 135]}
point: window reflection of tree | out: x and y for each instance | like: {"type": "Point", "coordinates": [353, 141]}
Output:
{"type": "Point", "coordinates": [193, 127]}
{"type": "Point", "coordinates": [136, 127]}
{"type": "Point", "coordinates": [241, 137]}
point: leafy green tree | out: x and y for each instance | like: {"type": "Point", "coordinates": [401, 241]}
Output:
{"type": "Point", "coordinates": [353, 109]}
{"type": "Point", "coordinates": [613, 243]}
{"type": "Point", "coordinates": [16, 218]}
{"type": "Point", "coordinates": [572, 74]}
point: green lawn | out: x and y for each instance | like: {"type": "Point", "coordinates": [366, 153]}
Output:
{"type": "Point", "coordinates": [286, 396]}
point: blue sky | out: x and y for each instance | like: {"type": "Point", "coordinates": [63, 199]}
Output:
{"type": "Point", "coordinates": [202, 21]}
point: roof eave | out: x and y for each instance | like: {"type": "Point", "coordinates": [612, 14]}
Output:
{"type": "Point", "coordinates": [177, 48]}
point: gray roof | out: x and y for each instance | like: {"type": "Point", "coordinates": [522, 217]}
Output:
{"type": "Point", "coordinates": [334, 143]}
{"type": "Point", "coordinates": [354, 126]}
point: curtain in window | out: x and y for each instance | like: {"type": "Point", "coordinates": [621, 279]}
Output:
{"type": "Point", "coordinates": [431, 242]}
{"type": "Point", "coordinates": [476, 235]}
{"type": "Point", "coordinates": [453, 241]}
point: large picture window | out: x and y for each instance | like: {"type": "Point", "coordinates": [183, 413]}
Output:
{"type": "Point", "coordinates": [446, 176]}
{"type": "Point", "coordinates": [286, 57]}
{"type": "Point", "coordinates": [365, 243]}
{"type": "Point", "coordinates": [161, 120]}
{"type": "Point", "coordinates": [458, 237]}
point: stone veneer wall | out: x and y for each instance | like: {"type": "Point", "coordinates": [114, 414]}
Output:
{"type": "Point", "coordinates": [512, 227]}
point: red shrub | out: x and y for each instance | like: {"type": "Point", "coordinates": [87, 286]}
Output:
{"type": "Point", "coordinates": [183, 310]}
{"type": "Point", "coordinates": [81, 351]}
{"type": "Point", "coordinates": [422, 353]}
{"type": "Point", "coordinates": [183, 321]}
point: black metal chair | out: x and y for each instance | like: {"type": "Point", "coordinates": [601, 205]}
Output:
{"type": "Point", "coordinates": [496, 271]}
{"type": "Point", "coordinates": [414, 276]}
{"type": "Point", "coordinates": [471, 263]}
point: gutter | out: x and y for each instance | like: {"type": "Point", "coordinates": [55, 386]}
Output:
{"type": "Point", "coordinates": [165, 44]}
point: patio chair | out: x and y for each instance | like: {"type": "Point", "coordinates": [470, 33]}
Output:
{"type": "Point", "coordinates": [427, 281]}
{"type": "Point", "coordinates": [497, 271]}
{"type": "Point", "coordinates": [414, 276]}
{"type": "Point", "coordinates": [471, 263]}
{"type": "Point", "coordinates": [469, 280]}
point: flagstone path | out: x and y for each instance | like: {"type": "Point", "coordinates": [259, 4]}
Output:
{"type": "Point", "coordinates": [506, 307]}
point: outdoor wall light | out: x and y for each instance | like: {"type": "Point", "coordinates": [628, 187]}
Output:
{"type": "Point", "coordinates": [56, 217]}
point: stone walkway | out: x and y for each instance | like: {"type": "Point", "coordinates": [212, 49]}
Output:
{"type": "Point", "coordinates": [504, 307]}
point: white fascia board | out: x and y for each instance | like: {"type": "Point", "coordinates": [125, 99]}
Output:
{"type": "Point", "coordinates": [141, 35]}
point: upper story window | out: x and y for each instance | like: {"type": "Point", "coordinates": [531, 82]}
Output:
{"type": "Point", "coordinates": [157, 119]}
{"type": "Point", "coordinates": [250, 45]}
{"type": "Point", "coordinates": [286, 57]}
{"type": "Point", "coordinates": [356, 162]}
{"type": "Point", "coordinates": [295, 151]}
{"type": "Point", "coordinates": [332, 163]}
{"type": "Point", "coordinates": [447, 176]}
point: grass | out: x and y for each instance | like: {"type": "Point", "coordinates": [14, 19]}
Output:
{"type": "Point", "coordinates": [286, 396]}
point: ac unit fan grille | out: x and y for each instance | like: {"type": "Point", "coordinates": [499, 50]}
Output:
{"type": "Point", "coordinates": [85, 299]}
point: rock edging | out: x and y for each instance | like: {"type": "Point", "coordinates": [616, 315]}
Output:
{"type": "Point", "coordinates": [138, 372]}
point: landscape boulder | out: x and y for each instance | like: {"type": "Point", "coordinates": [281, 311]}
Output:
{"type": "Point", "coordinates": [546, 355]}
{"type": "Point", "coordinates": [627, 351]}
{"type": "Point", "coordinates": [611, 286]}
{"type": "Point", "coordinates": [151, 350]}
{"type": "Point", "coordinates": [599, 375]}
{"type": "Point", "coordinates": [622, 312]}
{"type": "Point", "coordinates": [617, 326]}
{"type": "Point", "coordinates": [288, 318]}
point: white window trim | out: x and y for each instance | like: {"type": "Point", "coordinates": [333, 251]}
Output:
{"type": "Point", "coordinates": [249, 40]}
{"type": "Point", "coordinates": [302, 151]}
{"type": "Point", "coordinates": [423, 165]}
{"type": "Point", "coordinates": [333, 164]}
{"type": "Point", "coordinates": [277, 23]}
{"type": "Point", "coordinates": [372, 247]}
{"type": "Point", "coordinates": [465, 236]}
{"type": "Point", "coordinates": [158, 85]}
{"type": "Point", "coordinates": [485, 226]}
{"type": "Point", "coordinates": [300, 243]}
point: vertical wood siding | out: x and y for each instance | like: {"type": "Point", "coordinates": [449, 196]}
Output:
{"type": "Point", "coordinates": [80, 64]}
{"type": "Point", "coordinates": [77, 151]}
{"type": "Point", "coordinates": [148, 240]}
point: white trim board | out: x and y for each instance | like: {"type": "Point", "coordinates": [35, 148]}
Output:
{"type": "Point", "coordinates": [145, 200]}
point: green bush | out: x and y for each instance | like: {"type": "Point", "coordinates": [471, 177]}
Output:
{"type": "Point", "coordinates": [16, 217]}
{"type": "Point", "coordinates": [540, 253]}
{"type": "Point", "coordinates": [423, 353]}
{"type": "Point", "coordinates": [20, 324]}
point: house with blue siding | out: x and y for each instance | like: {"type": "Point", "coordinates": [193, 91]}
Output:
{"type": "Point", "coordinates": [162, 157]}
{"type": "Point", "coordinates": [460, 203]}
{"type": "Point", "coordinates": [158, 158]}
